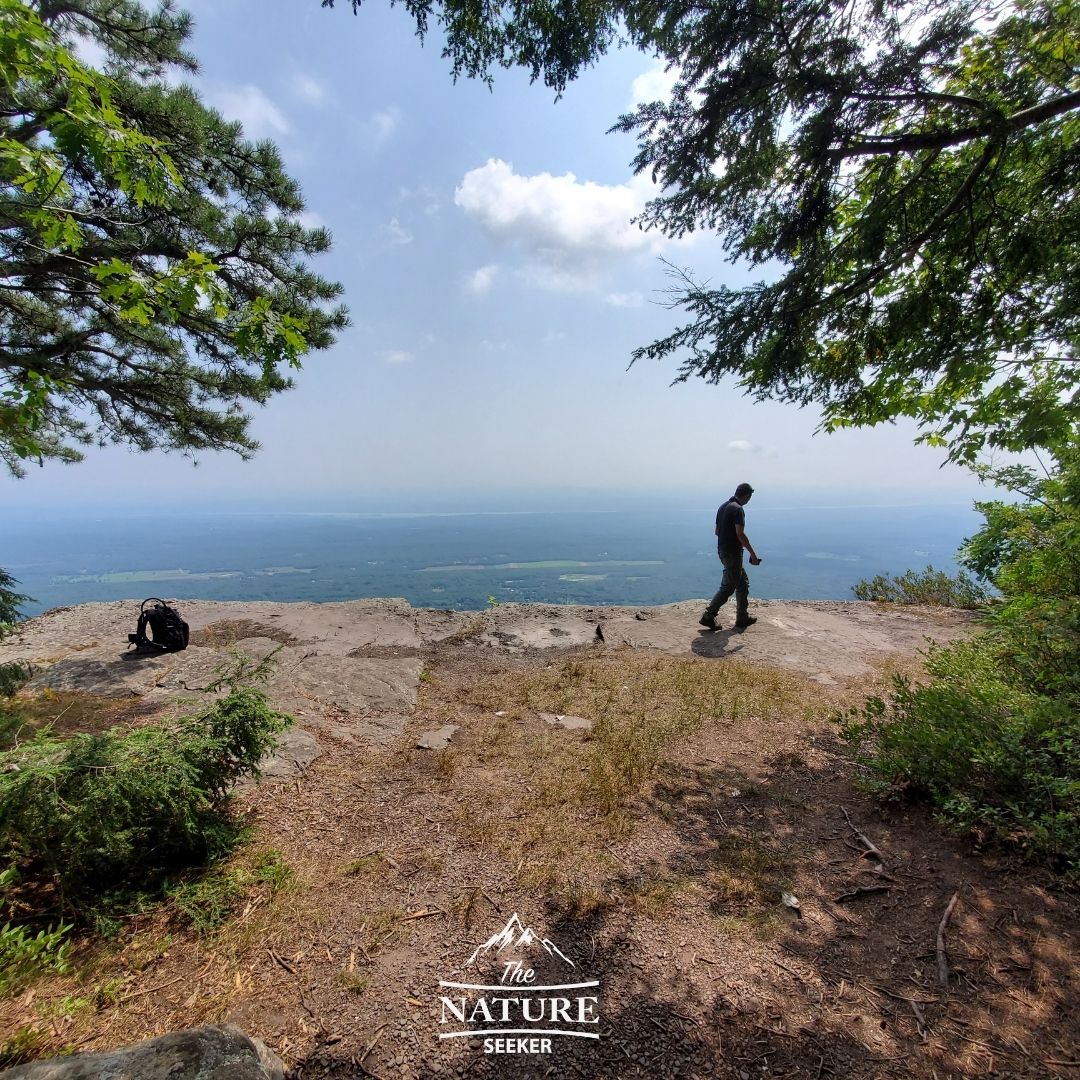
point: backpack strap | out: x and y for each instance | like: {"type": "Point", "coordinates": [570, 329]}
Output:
{"type": "Point", "coordinates": [139, 638]}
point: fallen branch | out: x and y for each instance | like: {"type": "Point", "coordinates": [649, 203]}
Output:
{"type": "Point", "coordinates": [148, 990]}
{"type": "Point", "coordinates": [284, 963]}
{"type": "Point", "coordinates": [871, 851]}
{"type": "Point", "coordinates": [942, 962]}
{"type": "Point", "coordinates": [371, 1045]}
{"type": "Point", "coordinates": [862, 890]}
{"type": "Point", "coordinates": [423, 914]}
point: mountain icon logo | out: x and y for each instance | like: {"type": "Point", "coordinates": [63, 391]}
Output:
{"type": "Point", "coordinates": [513, 936]}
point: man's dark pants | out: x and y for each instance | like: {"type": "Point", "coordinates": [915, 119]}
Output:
{"type": "Point", "coordinates": [734, 582]}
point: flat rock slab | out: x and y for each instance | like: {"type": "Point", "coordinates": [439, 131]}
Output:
{"type": "Point", "coordinates": [567, 723]}
{"type": "Point", "coordinates": [317, 685]}
{"type": "Point", "coordinates": [342, 668]}
{"type": "Point", "coordinates": [828, 639]}
{"type": "Point", "coordinates": [109, 672]}
{"type": "Point", "coordinates": [335, 628]}
{"type": "Point", "coordinates": [296, 750]}
{"type": "Point", "coordinates": [202, 1053]}
{"type": "Point", "coordinates": [439, 739]}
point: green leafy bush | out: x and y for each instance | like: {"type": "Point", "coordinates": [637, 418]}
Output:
{"type": "Point", "coordinates": [993, 741]}
{"type": "Point", "coordinates": [9, 604]}
{"type": "Point", "coordinates": [24, 954]}
{"type": "Point", "coordinates": [14, 675]}
{"type": "Point", "coordinates": [992, 757]}
{"type": "Point", "coordinates": [115, 813]}
{"type": "Point", "coordinates": [24, 1045]}
{"type": "Point", "coordinates": [207, 901]}
{"type": "Point", "coordinates": [927, 586]}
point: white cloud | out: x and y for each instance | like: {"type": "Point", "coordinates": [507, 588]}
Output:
{"type": "Point", "coordinates": [480, 281]}
{"type": "Point", "coordinates": [557, 212]}
{"type": "Point", "coordinates": [383, 124]}
{"type": "Point", "coordinates": [248, 104]}
{"type": "Point", "coordinates": [397, 232]}
{"type": "Point", "coordinates": [553, 337]}
{"type": "Point", "coordinates": [653, 85]}
{"type": "Point", "coordinates": [745, 447]}
{"type": "Point", "coordinates": [570, 229]}
{"type": "Point", "coordinates": [308, 89]}
{"type": "Point", "coordinates": [427, 197]}
{"type": "Point", "coordinates": [624, 299]}
{"type": "Point", "coordinates": [397, 356]}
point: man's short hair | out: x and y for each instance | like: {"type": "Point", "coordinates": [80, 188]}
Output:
{"type": "Point", "coordinates": [743, 490]}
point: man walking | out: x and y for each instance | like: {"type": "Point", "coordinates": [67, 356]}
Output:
{"type": "Point", "coordinates": [730, 541]}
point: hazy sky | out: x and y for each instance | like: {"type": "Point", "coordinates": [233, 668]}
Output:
{"type": "Point", "coordinates": [496, 285]}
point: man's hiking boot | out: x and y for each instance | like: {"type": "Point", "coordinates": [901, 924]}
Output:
{"type": "Point", "coordinates": [709, 624]}
{"type": "Point", "coordinates": [744, 621]}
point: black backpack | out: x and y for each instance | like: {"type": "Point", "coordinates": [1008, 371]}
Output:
{"type": "Point", "coordinates": [168, 632]}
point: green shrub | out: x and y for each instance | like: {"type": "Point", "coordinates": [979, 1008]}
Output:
{"type": "Point", "coordinates": [24, 954]}
{"type": "Point", "coordinates": [272, 869]}
{"type": "Point", "coordinates": [14, 675]}
{"type": "Point", "coordinates": [993, 742]}
{"type": "Point", "coordinates": [927, 586]}
{"type": "Point", "coordinates": [992, 757]}
{"type": "Point", "coordinates": [24, 1045]}
{"type": "Point", "coordinates": [207, 901]}
{"type": "Point", "coordinates": [112, 814]}
{"type": "Point", "coordinates": [9, 604]}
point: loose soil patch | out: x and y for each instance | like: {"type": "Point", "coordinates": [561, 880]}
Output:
{"type": "Point", "coordinates": [655, 851]}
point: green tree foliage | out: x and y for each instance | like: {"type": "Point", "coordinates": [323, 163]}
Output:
{"type": "Point", "coordinates": [9, 603]}
{"type": "Point", "coordinates": [153, 274]}
{"type": "Point", "coordinates": [928, 586]}
{"type": "Point", "coordinates": [902, 175]}
{"type": "Point", "coordinates": [113, 813]}
{"type": "Point", "coordinates": [1031, 552]}
{"type": "Point", "coordinates": [993, 740]}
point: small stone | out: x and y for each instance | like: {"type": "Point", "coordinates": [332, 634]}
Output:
{"type": "Point", "coordinates": [438, 739]}
{"type": "Point", "coordinates": [567, 723]}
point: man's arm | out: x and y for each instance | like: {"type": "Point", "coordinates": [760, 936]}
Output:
{"type": "Point", "coordinates": [745, 541]}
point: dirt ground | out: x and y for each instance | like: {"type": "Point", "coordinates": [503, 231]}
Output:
{"type": "Point", "coordinates": [670, 880]}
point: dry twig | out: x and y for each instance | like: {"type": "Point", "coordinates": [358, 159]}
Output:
{"type": "Point", "coordinates": [149, 990]}
{"type": "Point", "coordinates": [283, 963]}
{"type": "Point", "coordinates": [942, 962]}
{"type": "Point", "coordinates": [861, 890]}
{"type": "Point", "coordinates": [423, 914]}
{"type": "Point", "coordinates": [871, 851]}
{"type": "Point", "coordinates": [371, 1045]}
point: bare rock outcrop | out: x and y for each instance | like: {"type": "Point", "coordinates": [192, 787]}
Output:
{"type": "Point", "coordinates": [206, 1053]}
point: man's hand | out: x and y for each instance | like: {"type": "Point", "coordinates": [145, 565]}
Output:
{"type": "Point", "coordinates": [755, 560]}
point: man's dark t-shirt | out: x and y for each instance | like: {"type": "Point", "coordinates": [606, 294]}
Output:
{"type": "Point", "coordinates": [727, 517]}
